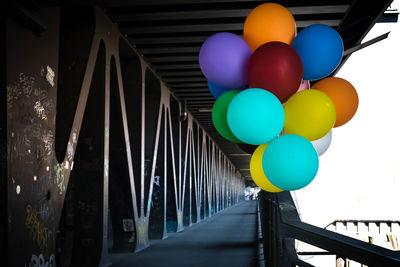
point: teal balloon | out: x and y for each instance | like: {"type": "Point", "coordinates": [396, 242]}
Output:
{"type": "Point", "coordinates": [290, 162]}
{"type": "Point", "coordinates": [255, 116]}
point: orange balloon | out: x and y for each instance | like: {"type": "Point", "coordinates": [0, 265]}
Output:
{"type": "Point", "coordinates": [343, 95]}
{"type": "Point", "coordinates": [269, 22]}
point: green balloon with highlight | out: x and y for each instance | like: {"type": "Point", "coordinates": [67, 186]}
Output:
{"type": "Point", "coordinates": [219, 115]}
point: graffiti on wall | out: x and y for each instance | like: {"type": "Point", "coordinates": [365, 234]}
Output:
{"type": "Point", "coordinates": [70, 151]}
{"type": "Point", "coordinates": [50, 76]}
{"type": "Point", "coordinates": [47, 139]}
{"type": "Point", "coordinates": [25, 88]}
{"type": "Point", "coordinates": [29, 104]}
{"type": "Point", "coordinates": [59, 177]}
{"type": "Point", "coordinates": [39, 261]}
{"type": "Point", "coordinates": [40, 234]}
{"type": "Point", "coordinates": [40, 110]}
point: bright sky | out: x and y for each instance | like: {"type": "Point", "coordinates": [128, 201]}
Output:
{"type": "Point", "coordinates": [359, 175]}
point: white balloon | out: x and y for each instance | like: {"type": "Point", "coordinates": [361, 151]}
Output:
{"type": "Point", "coordinates": [321, 145]}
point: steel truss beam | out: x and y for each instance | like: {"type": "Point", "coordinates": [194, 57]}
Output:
{"type": "Point", "coordinates": [202, 158]}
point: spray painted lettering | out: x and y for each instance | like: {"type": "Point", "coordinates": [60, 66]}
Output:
{"type": "Point", "coordinates": [40, 111]}
{"type": "Point", "coordinates": [39, 261]}
{"type": "Point", "coordinates": [59, 177]}
{"type": "Point", "coordinates": [26, 84]}
{"type": "Point", "coordinates": [40, 234]}
{"type": "Point", "coordinates": [50, 76]}
{"type": "Point", "coordinates": [48, 140]}
{"type": "Point", "coordinates": [70, 151]}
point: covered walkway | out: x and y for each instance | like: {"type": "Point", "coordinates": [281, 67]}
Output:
{"type": "Point", "coordinates": [225, 239]}
{"type": "Point", "coordinates": [107, 139]}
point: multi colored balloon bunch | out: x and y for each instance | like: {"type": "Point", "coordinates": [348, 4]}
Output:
{"type": "Point", "coordinates": [264, 99]}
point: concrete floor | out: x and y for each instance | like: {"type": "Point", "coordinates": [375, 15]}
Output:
{"type": "Point", "coordinates": [225, 239]}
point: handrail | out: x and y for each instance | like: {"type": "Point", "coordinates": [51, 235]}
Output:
{"type": "Point", "coordinates": [289, 225]}
{"type": "Point", "coordinates": [363, 221]}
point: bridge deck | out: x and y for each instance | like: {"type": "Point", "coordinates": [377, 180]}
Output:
{"type": "Point", "coordinates": [225, 239]}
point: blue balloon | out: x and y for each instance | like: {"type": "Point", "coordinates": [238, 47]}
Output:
{"type": "Point", "coordinates": [255, 116]}
{"type": "Point", "coordinates": [320, 48]}
{"type": "Point", "coordinates": [217, 90]}
{"type": "Point", "coordinates": [290, 162]}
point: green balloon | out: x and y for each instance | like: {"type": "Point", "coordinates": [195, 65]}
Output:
{"type": "Point", "coordinates": [219, 112]}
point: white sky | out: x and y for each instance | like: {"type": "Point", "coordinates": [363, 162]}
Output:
{"type": "Point", "coordinates": [359, 175]}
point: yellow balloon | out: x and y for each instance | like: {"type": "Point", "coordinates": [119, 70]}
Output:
{"type": "Point", "coordinates": [257, 172]}
{"type": "Point", "coordinates": [309, 113]}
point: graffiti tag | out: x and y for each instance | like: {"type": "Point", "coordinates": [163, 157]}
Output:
{"type": "Point", "coordinates": [40, 234]}
{"type": "Point", "coordinates": [40, 111]}
{"type": "Point", "coordinates": [59, 177]}
{"type": "Point", "coordinates": [50, 76]}
{"type": "Point", "coordinates": [39, 261]}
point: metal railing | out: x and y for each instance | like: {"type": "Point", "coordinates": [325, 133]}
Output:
{"type": "Point", "coordinates": [281, 225]}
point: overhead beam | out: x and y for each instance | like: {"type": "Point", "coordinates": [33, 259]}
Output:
{"type": "Point", "coordinates": [133, 3]}
{"type": "Point", "coordinates": [213, 27]}
{"type": "Point", "coordinates": [355, 25]}
{"type": "Point", "coordinates": [207, 124]}
{"type": "Point", "coordinates": [204, 101]}
{"type": "Point", "coordinates": [195, 94]}
{"type": "Point", "coordinates": [170, 50]}
{"type": "Point", "coordinates": [187, 85]}
{"type": "Point", "coordinates": [195, 108]}
{"type": "Point", "coordinates": [201, 115]}
{"type": "Point", "coordinates": [172, 59]}
{"type": "Point", "coordinates": [389, 17]}
{"type": "Point", "coordinates": [184, 28]}
{"type": "Point", "coordinates": [169, 40]}
{"type": "Point", "coordinates": [200, 98]}
{"type": "Point", "coordinates": [176, 66]}
{"type": "Point", "coordinates": [180, 73]}
{"type": "Point", "coordinates": [191, 90]}
{"type": "Point", "coordinates": [368, 43]}
{"type": "Point", "coordinates": [184, 80]}
{"type": "Point", "coordinates": [224, 13]}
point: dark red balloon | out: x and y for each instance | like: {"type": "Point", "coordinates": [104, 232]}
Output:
{"type": "Point", "coordinates": [276, 67]}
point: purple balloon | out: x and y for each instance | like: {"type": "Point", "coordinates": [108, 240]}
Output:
{"type": "Point", "coordinates": [223, 59]}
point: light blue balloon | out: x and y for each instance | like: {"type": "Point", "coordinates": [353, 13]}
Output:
{"type": "Point", "coordinates": [255, 116]}
{"type": "Point", "coordinates": [290, 162]}
{"type": "Point", "coordinates": [320, 48]}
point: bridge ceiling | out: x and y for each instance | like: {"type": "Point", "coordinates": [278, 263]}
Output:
{"type": "Point", "coordinates": [169, 34]}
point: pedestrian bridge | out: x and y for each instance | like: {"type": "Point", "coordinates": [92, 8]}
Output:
{"type": "Point", "coordinates": [108, 151]}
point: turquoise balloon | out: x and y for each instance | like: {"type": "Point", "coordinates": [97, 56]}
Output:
{"type": "Point", "coordinates": [290, 162]}
{"type": "Point", "coordinates": [255, 116]}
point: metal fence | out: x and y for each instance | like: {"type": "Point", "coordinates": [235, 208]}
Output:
{"type": "Point", "coordinates": [281, 225]}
